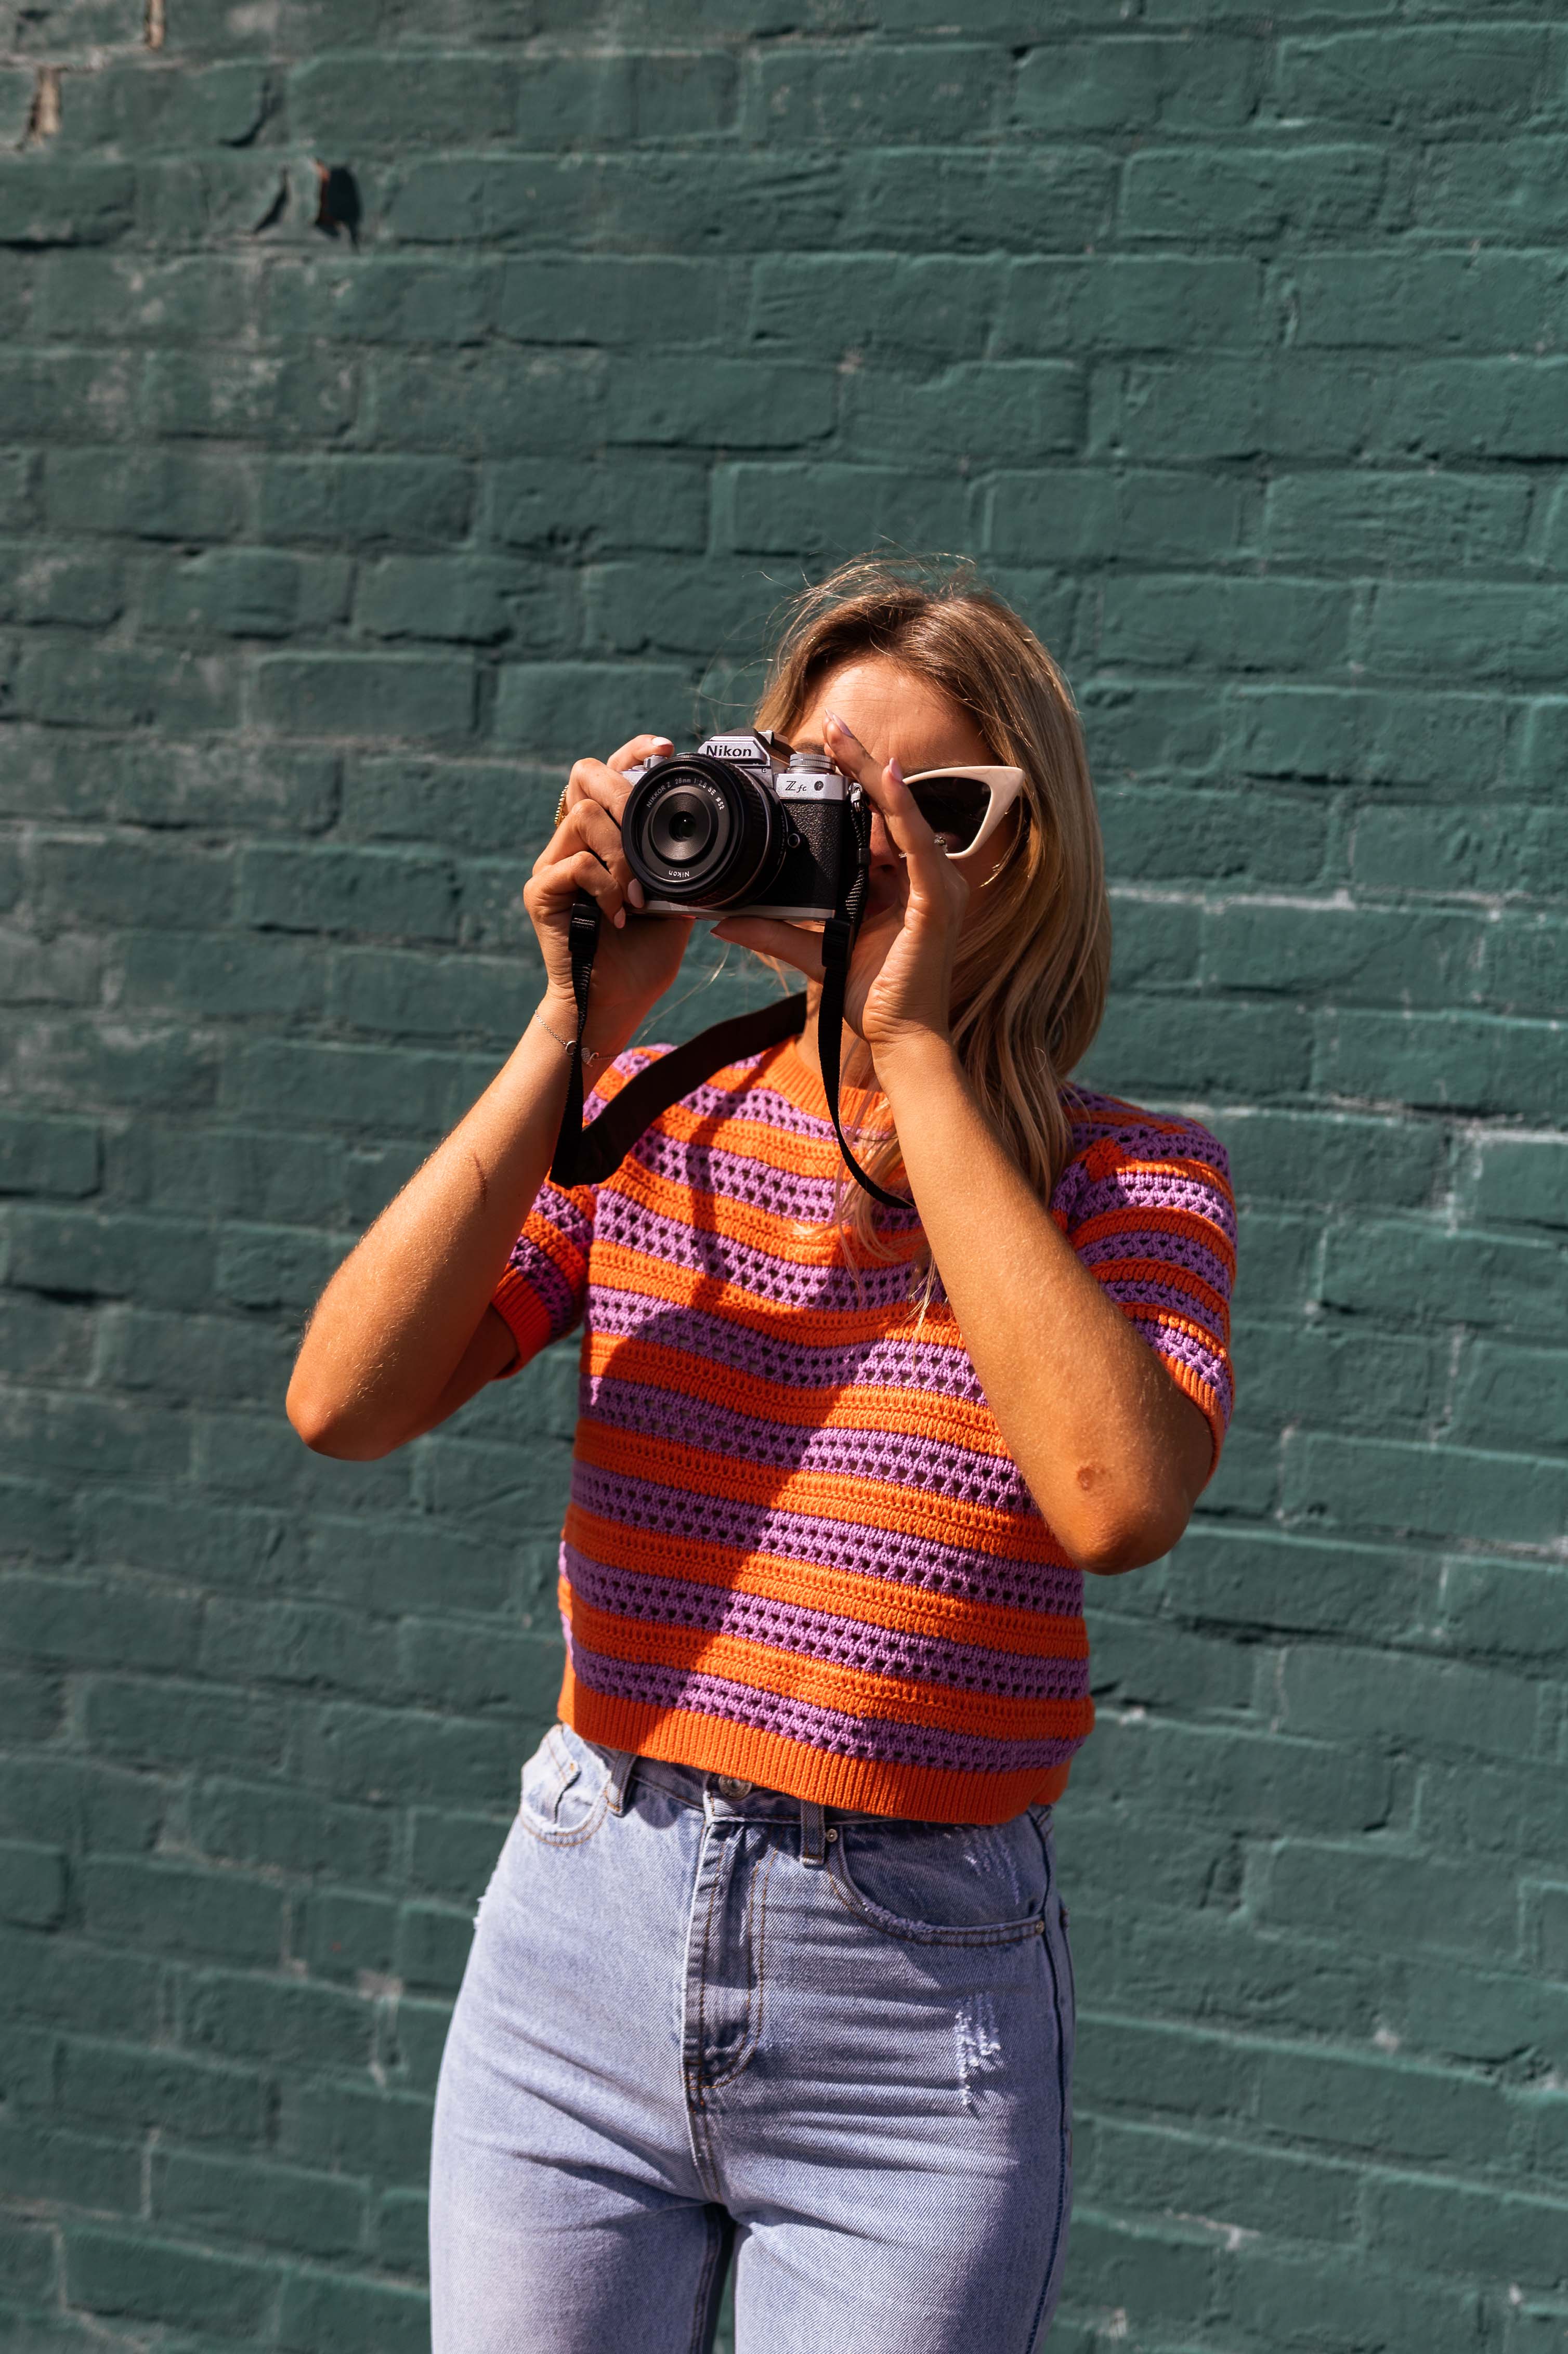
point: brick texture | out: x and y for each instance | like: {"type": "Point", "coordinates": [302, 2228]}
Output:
{"type": "Point", "coordinates": [1235, 346]}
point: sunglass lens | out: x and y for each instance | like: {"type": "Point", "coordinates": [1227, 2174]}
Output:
{"type": "Point", "coordinates": [954, 807]}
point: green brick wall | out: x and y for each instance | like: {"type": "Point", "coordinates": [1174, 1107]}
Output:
{"type": "Point", "coordinates": [1233, 345]}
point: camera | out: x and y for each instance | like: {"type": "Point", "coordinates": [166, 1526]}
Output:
{"type": "Point", "coordinates": [743, 825]}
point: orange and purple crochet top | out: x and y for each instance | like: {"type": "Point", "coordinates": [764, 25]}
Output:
{"type": "Point", "coordinates": [796, 1550]}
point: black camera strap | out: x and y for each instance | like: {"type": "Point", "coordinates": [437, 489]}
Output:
{"type": "Point", "coordinates": [586, 1156]}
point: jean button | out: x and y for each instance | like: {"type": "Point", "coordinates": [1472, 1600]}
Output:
{"type": "Point", "coordinates": [730, 1786]}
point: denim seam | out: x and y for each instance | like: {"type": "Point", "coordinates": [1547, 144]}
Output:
{"type": "Point", "coordinates": [754, 1992]}
{"type": "Point", "coordinates": [584, 1831]}
{"type": "Point", "coordinates": [1062, 2094]}
{"type": "Point", "coordinates": [720, 1876]}
{"type": "Point", "coordinates": [700, 2314]}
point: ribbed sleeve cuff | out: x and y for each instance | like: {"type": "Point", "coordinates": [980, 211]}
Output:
{"type": "Point", "coordinates": [527, 1319]}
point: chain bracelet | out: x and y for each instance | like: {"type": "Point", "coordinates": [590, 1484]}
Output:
{"type": "Point", "coordinates": [569, 1046]}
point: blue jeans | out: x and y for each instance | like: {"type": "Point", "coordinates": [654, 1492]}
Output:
{"type": "Point", "coordinates": [698, 2015]}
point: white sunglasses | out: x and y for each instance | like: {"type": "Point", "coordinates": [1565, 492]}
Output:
{"type": "Point", "coordinates": [964, 807]}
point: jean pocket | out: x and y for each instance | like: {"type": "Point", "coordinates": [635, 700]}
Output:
{"type": "Point", "coordinates": [945, 1883]}
{"type": "Point", "coordinates": [564, 1792]}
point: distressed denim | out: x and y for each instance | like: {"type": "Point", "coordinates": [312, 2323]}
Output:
{"type": "Point", "coordinates": [700, 2018]}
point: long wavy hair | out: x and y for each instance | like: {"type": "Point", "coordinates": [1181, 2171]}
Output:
{"type": "Point", "coordinates": [1029, 986]}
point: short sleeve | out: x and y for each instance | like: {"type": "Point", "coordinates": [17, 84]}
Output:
{"type": "Point", "coordinates": [1150, 1210]}
{"type": "Point", "coordinates": [543, 1289]}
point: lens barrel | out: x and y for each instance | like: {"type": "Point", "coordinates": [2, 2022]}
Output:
{"type": "Point", "coordinates": [701, 832]}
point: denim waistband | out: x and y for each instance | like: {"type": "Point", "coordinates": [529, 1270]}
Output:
{"type": "Point", "coordinates": [723, 1794]}
{"type": "Point", "coordinates": [728, 1796]}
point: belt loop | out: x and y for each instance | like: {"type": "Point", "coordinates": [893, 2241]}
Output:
{"type": "Point", "coordinates": [623, 1766]}
{"type": "Point", "coordinates": [813, 1833]}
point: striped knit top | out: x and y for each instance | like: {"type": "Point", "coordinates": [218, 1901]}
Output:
{"type": "Point", "coordinates": [796, 1550]}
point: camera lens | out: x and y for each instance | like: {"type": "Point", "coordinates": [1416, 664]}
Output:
{"type": "Point", "coordinates": [700, 832]}
{"type": "Point", "coordinates": [681, 827]}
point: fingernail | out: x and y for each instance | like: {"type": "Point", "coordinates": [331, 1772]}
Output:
{"type": "Point", "coordinates": [620, 919]}
{"type": "Point", "coordinates": [635, 893]}
{"type": "Point", "coordinates": [834, 721]}
{"type": "Point", "coordinates": [896, 772]}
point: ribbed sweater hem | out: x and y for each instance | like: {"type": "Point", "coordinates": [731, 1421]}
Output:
{"type": "Point", "coordinates": [716, 1745]}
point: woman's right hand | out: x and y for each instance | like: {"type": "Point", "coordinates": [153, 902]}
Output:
{"type": "Point", "coordinates": [636, 962]}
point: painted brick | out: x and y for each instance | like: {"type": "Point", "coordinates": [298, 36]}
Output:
{"type": "Point", "coordinates": [1136, 85]}
{"type": "Point", "coordinates": [931, 95]}
{"type": "Point", "coordinates": [115, 2274]}
{"type": "Point", "coordinates": [1394, 522]}
{"type": "Point", "coordinates": [1233, 351]}
{"type": "Point", "coordinates": [1471, 1062]}
{"type": "Point", "coordinates": [323, 2312]}
{"type": "Point", "coordinates": [1472, 301]}
{"type": "Point", "coordinates": [316, 2214]}
{"type": "Point", "coordinates": [1428, 78]}
{"type": "Point", "coordinates": [1228, 195]}
{"type": "Point", "coordinates": [365, 695]}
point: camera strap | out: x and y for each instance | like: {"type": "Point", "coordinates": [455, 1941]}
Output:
{"type": "Point", "coordinates": [586, 1156]}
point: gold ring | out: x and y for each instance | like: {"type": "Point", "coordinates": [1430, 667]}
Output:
{"type": "Point", "coordinates": [561, 804]}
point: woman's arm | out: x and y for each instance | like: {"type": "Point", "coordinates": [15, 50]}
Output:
{"type": "Point", "coordinates": [1114, 1453]}
{"type": "Point", "coordinates": [405, 1333]}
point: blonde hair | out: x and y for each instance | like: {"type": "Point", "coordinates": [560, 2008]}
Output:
{"type": "Point", "coordinates": [1029, 986]}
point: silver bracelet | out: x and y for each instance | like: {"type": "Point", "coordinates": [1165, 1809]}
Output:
{"type": "Point", "coordinates": [569, 1046]}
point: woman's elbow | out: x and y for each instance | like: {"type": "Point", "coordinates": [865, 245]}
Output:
{"type": "Point", "coordinates": [1129, 1539]}
{"type": "Point", "coordinates": [328, 1429]}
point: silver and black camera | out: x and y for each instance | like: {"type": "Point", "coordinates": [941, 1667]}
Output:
{"type": "Point", "coordinates": [742, 826]}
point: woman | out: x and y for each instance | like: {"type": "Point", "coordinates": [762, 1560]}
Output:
{"type": "Point", "coordinates": [774, 1953]}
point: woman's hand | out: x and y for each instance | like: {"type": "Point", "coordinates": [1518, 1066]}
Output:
{"type": "Point", "coordinates": [901, 968]}
{"type": "Point", "coordinates": [636, 962]}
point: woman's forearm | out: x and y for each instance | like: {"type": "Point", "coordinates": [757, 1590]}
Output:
{"type": "Point", "coordinates": [1111, 1450]}
{"type": "Point", "coordinates": [392, 1326]}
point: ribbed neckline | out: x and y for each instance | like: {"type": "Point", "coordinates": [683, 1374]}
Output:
{"type": "Point", "coordinates": [794, 1077]}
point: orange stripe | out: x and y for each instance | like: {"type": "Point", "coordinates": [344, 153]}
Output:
{"type": "Point", "coordinates": [870, 1601]}
{"type": "Point", "coordinates": [1144, 1312]}
{"type": "Point", "coordinates": [558, 1248]}
{"type": "Point", "coordinates": [821, 1683]}
{"type": "Point", "coordinates": [1133, 1220]}
{"type": "Point", "coordinates": [845, 1405]}
{"type": "Point", "coordinates": [818, 1495]}
{"type": "Point", "coordinates": [793, 1239]}
{"type": "Point", "coordinates": [715, 1744]}
{"type": "Point", "coordinates": [752, 1139]}
{"type": "Point", "coordinates": [618, 1268]}
{"type": "Point", "coordinates": [1173, 1278]}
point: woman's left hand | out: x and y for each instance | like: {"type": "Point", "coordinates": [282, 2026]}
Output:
{"type": "Point", "coordinates": [901, 968]}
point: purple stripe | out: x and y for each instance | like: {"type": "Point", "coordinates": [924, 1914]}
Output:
{"type": "Point", "coordinates": [767, 1105]}
{"type": "Point", "coordinates": [881, 1740]}
{"type": "Point", "coordinates": [1205, 1258]}
{"type": "Point", "coordinates": [789, 1283]}
{"type": "Point", "coordinates": [738, 1177]}
{"type": "Point", "coordinates": [1149, 1291]}
{"type": "Point", "coordinates": [560, 1211]}
{"type": "Point", "coordinates": [1148, 1136]}
{"type": "Point", "coordinates": [934, 1467]}
{"type": "Point", "coordinates": [885, 1552]}
{"type": "Point", "coordinates": [823, 1635]}
{"type": "Point", "coordinates": [934, 1368]}
{"type": "Point", "coordinates": [563, 1306]}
